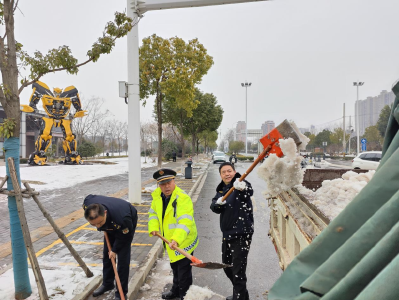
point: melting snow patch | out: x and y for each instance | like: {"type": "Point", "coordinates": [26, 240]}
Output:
{"type": "Point", "coordinates": [198, 293]}
{"type": "Point", "coordinates": [283, 173]}
{"type": "Point", "coordinates": [61, 284]}
{"type": "Point", "coordinates": [149, 189]}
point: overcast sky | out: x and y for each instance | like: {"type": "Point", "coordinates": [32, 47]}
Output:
{"type": "Point", "coordinates": [301, 56]}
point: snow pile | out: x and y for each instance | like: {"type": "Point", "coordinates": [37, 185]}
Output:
{"type": "Point", "coordinates": [281, 174]}
{"type": "Point", "coordinates": [334, 195]}
{"type": "Point", "coordinates": [198, 293]}
{"type": "Point", "coordinates": [305, 140]}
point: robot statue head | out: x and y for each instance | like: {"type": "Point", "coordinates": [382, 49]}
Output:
{"type": "Point", "coordinates": [57, 92]}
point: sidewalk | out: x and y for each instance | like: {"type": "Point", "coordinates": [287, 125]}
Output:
{"type": "Point", "coordinates": [63, 278]}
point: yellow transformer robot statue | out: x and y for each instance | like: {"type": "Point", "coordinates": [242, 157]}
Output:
{"type": "Point", "coordinates": [57, 105]}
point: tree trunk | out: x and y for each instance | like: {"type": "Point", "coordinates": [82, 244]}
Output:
{"type": "Point", "coordinates": [194, 138]}
{"type": "Point", "coordinates": [183, 148]}
{"type": "Point", "coordinates": [9, 99]}
{"type": "Point", "coordinates": [159, 115]}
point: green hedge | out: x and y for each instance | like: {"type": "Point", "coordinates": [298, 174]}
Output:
{"type": "Point", "coordinates": [342, 158]}
{"type": "Point", "coordinates": [250, 158]}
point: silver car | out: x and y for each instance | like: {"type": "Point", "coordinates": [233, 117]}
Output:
{"type": "Point", "coordinates": [218, 156]}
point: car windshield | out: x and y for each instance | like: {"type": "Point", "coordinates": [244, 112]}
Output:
{"type": "Point", "coordinates": [218, 153]}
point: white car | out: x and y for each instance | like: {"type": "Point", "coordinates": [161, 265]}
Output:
{"type": "Point", "coordinates": [218, 156]}
{"type": "Point", "coordinates": [369, 160]}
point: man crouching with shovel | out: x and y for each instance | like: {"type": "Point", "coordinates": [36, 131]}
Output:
{"type": "Point", "coordinates": [237, 225]}
{"type": "Point", "coordinates": [171, 216]}
{"type": "Point", "coordinates": [118, 218]}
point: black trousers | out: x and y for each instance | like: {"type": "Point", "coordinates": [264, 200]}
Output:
{"type": "Point", "coordinates": [235, 253]}
{"type": "Point", "coordinates": [174, 158]}
{"type": "Point", "coordinates": [123, 263]}
{"type": "Point", "coordinates": [182, 276]}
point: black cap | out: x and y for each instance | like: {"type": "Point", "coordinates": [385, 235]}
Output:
{"type": "Point", "coordinates": [164, 175]}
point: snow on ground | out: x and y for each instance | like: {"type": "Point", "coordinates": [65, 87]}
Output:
{"type": "Point", "coordinates": [61, 284]}
{"type": "Point", "coordinates": [149, 189]}
{"type": "Point", "coordinates": [283, 173]}
{"type": "Point", "coordinates": [334, 195]}
{"type": "Point", "coordinates": [198, 293]}
{"type": "Point", "coordinates": [62, 176]}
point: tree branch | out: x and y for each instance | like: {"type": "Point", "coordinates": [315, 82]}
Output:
{"type": "Point", "coordinates": [26, 83]}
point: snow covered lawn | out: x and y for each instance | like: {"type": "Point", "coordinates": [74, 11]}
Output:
{"type": "Point", "coordinates": [61, 284]}
{"type": "Point", "coordinates": [62, 176]}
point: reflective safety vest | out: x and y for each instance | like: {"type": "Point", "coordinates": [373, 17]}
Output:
{"type": "Point", "coordinates": [178, 223]}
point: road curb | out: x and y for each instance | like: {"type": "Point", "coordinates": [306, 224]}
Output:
{"type": "Point", "coordinates": [89, 288]}
{"type": "Point", "coordinates": [142, 272]}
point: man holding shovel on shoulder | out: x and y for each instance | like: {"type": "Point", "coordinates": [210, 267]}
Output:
{"type": "Point", "coordinates": [119, 219]}
{"type": "Point", "coordinates": [237, 225]}
{"type": "Point", "coordinates": [172, 216]}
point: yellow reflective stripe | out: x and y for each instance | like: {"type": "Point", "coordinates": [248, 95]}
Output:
{"type": "Point", "coordinates": [185, 217]}
{"type": "Point", "coordinates": [153, 218]}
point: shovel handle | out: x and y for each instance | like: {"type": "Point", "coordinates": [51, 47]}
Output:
{"type": "Point", "coordinates": [118, 281]}
{"type": "Point", "coordinates": [181, 251]}
{"type": "Point", "coordinates": [257, 160]}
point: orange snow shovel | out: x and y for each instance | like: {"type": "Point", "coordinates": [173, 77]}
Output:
{"type": "Point", "coordinates": [271, 145]}
{"type": "Point", "coordinates": [196, 262]}
{"type": "Point", "coordinates": [118, 281]}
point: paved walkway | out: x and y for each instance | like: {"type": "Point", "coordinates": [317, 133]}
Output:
{"type": "Point", "coordinates": [65, 207]}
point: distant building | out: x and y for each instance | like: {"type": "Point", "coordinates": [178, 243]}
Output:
{"type": "Point", "coordinates": [240, 131]}
{"type": "Point", "coordinates": [312, 129]}
{"type": "Point", "coordinates": [267, 127]}
{"type": "Point", "coordinates": [303, 130]}
{"type": "Point", "coordinates": [370, 109]}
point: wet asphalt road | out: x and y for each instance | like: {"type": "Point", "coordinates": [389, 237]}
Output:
{"type": "Point", "coordinates": [263, 268]}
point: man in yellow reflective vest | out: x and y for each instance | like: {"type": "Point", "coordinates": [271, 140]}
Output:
{"type": "Point", "coordinates": [172, 215]}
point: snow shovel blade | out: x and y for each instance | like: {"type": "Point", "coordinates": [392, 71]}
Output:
{"type": "Point", "coordinates": [283, 131]}
{"type": "Point", "coordinates": [210, 265]}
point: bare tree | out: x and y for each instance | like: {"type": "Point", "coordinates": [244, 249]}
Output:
{"type": "Point", "coordinates": [230, 135]}
{"type": "Point", "coordinates": [119, 127]}
{"type": "Point", "coordinates": [81, 126]}
{"type": "Point", "coordinates": [125, 136]}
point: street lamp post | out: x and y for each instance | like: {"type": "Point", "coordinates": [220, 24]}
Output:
{"type": "Point", "coordinates": [246, 85]}
{"type": "Point", "coordinates": [357, 84]}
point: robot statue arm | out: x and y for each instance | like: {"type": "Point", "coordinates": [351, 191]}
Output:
{"type": "Point", "coordinates": [39, 89]}
{"type": "Point", "coordinates": [72, 93]}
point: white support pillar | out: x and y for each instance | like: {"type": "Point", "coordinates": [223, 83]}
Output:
{"type": "Point", "coordinates": [133, 107]}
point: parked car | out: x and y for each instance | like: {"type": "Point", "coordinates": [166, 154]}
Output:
{"type": "Point", "coordinates": [369, 160]}
{"type": "Point", "coordinates": [218, 156]}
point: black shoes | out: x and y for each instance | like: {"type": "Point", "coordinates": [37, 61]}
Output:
{"type": "Point", "coordinates": [229, 297]}
{"type": "Point", "coordinates": [101, 290]}
{"type": "Point", "coordinates": [169, 295]}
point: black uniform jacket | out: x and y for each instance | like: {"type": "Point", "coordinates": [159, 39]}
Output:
{"type": "Point", "coordinates": [121, 219]}
{"type": "Point", "coordinates": [236, 216]}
